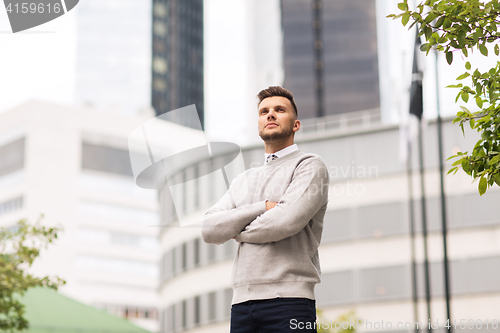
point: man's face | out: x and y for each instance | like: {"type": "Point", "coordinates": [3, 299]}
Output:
{"type": "Point", "coordinates": [276, 119]}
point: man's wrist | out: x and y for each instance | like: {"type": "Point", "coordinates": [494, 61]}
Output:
{"type": "Point", "coordinates": [270, 205]}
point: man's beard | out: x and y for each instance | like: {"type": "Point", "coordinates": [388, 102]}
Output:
{"type": "Point", "coordinates": [277, 135]}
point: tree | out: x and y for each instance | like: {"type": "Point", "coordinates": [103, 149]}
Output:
{"type": "Point", "coordinates": [460, 26]}
{"type": "Point", "coordinates": [19, 247]}
{"type": "Point", "coordinates": [340, 325]}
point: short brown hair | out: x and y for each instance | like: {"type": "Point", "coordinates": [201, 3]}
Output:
{"type": "Point", "coordinates": [278, 91]}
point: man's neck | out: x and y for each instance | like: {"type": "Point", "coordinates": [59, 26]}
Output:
{"type": "Point", "coordinates": [272, 147]}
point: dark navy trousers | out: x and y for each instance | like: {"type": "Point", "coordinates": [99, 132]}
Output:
{"type": "Point", "coordinates": [274, 316]}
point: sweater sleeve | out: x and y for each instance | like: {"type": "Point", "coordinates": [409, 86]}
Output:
{"type": "Point", "coordinates": [304, 197]}
{"type": "Point", "coordinates": [223, 220]}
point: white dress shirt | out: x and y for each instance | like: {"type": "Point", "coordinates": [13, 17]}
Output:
{"type": "Point", "coordinates": [282, 152]}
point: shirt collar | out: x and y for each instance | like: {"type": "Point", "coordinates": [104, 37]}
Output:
{"type": "Point", "coordinates": [283, 152]}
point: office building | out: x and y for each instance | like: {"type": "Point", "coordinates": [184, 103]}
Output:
{"type": "Point", "coordinates": [177, 65]}
{"type": "Point", "coordinates": [72, 164]}
{"type": "Point", "coordinates": [348, 64]}
{"type": "Point", "coordinates": [365, 251]}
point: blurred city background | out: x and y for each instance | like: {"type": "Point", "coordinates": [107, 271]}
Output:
{"type": "Point", "coordinates": [74, 89]}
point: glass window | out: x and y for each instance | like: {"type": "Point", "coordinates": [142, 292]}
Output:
{"type": "Point", "coordinates": [94, 236]}
{"type": "Point", "coordinates": [119, 266]}
{"type": "Point", "coordinates": [114, 185]}
{"type": "Point", "coordinates": [11, 179]}
{"type": "Point", "coordinates": [11, 205]}
{"type": "Point", "coordinates": [184, 313]}
{"type": "Point", "coordinates": [160, 9]}
{"type": "Point", "coordinates": [212, 306]}
{"type": "Point", "coordinates": [107, 159]}
{"type": "Point", "coordinates": [118, 213]}
{"type": "Point", "coordinates": [196, 251]}
{"type": "Point", "coordinates": [196, 187]}
{"type": "Point", "coordinates": [159, 84]}
{"type": "Point", "coordinates": [12, 156]}
{"type": "Point", "coordinates": [211, 252]}
{"type": "Point", "coordinates": [159, 65]}
{"type": "Point", "coordinates": [174, 267]}
{"type": "Point", "coordinates": [159, 28]}
{"type": "Point", "coordinates": [110, 237]}
{"type": "Point", "coordinates": [184, 256]}
{"type": "Point", "coordinates": [159, 46]}
{"type": "Point", "coordinates": [197, 310]}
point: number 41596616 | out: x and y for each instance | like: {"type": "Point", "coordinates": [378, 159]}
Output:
{"type": "Point", "coordinates": [33, 8]}
{"type": "Point", "coordinates": [478, 324]}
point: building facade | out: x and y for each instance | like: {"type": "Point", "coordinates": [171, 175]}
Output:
{"type": "Point", "coordinates": [72, 165]}
{"type": "Point", "coordinates": [349, 61]}
{"type": "Point", "coordinates": [366, 249]}
{"type": "Point", "coordinates": [177, 65]}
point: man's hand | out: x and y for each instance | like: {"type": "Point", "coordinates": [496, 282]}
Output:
{"type": "Point", "coordinates": [270, 204]}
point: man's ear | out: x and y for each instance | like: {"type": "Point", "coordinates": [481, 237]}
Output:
{"type": "Point", "coordinates": [296, 125]}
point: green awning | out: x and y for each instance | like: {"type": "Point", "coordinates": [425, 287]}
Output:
{"type": "Point", "coordinates": [50, 312]}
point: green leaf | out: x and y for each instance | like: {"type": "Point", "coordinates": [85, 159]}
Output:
{"type": "Point", "coordinates": [483, 49]}
{"type": "Point", "coordinates": [405, 19]}
{"type": "Point", "coordinates": [495, 160]}
{"type": "Point", "coordinates": [476, 35]}
{"type": "Point", "coordinates": [425, 47]}
{"type": "Point", "coordinates": [455, 86]}
{"type": "Point", "coordinates": [449, 57]}
{"type": "Point", "coordinates": [440, 22]}
{"type": "Point", "coordinates": [472, 123]}
{"type": "Point", "coordinates": [463, 76]}
{"type": "Point", "coordinates": [461, 38]}
{"type": "Point", "coordinates": [427, 31]}
{"type": "Point", "coordinates": [465, 165]}
{"type": "Point", "coordinates": [497, 50]}
{"type": "Point", "coordinates": [467, 65]}
{"type": "Point", "coordinates": [402, 6]}
{"type": "Point", "coordinates": [465, 96]}
{"type": "Point", "coordinates": [479, 88]}
{"type": "Point", "coordinates": [479, 101]}
{"type": "Point", "coordinates": [496, 178]}
{"type": "Point", "coordinates": [487, 9]}
{"type": "Point", "coordinates": [416, 16]}
{"type": "Point", "coordinates": [451, 170]}
{"type": "Point", "coordinates": [482, 186]}
{"type": "Point", "coordinates": [447, 23]}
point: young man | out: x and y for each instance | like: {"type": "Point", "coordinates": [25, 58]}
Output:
{"type": "Point", "coordinates": [275, 212]}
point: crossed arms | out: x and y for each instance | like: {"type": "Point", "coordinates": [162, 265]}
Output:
{"type": "Point", "coordinates": [266, 221]}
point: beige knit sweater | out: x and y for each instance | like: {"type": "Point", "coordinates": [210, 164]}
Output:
{"type": "Point", "coordinates": [278, 249]}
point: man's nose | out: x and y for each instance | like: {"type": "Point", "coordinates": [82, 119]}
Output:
{"type": "Point", "coordinates": [271, 114]}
